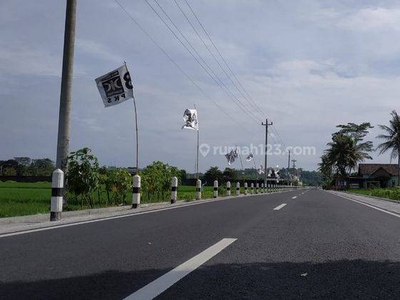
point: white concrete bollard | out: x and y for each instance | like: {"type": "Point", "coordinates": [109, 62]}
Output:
{"type": "Point", "coordinates": [215, 188]}
{"type": "Point", "coordinates": [57, 191]}
{"type": "Point", "coordinates": [245, 188]}
{"type": "Point", "coordinates": [262, 188]}
{"type": "Point", "coordinates": [237, 188]}
{"type": "Point", "coordinates": [136, 191]}
{"type": "Point", "coordinates": [257, 187]}
{"type": "Point", "coordinates": [198, 189]}
{"type": "Point", "coordinates": [252, 188]}
{"type": "Point", "coordinates": [228, 188]}
{"type": "Point", "coordinates": [174, 189]}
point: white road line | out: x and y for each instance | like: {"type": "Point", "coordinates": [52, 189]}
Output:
{"type": "Point", "coordinates": [158, 286]}
{"type": "Point", "coordinates": [280, 206]}
{"type": "Point", "coordinates": [133, 214]}
{"type": "Point", "coordinates": [371, 206]}
{"type": "Point", "coordinates": [294, 197]}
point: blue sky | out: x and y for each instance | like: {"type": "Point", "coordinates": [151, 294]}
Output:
{"type": "Point", "coordinates": [307, 65]}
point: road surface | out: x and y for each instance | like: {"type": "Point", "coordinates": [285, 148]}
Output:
{"type": "Point", "coordinates": [304, 244]}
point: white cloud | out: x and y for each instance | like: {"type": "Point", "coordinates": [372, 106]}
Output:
{"type": "Point", "coordinates": [19, 59]}
{"type": "Point", "coordinates": [367, 19]}
{"type": "Point", "coordinates": [97, 50]}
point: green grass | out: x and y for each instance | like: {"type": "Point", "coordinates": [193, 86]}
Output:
{"type": "Point", "coordinates": [389, 193]}
{"type": "Point", "coordinates": [19, 199]}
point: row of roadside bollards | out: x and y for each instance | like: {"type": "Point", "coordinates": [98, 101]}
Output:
{"type": "Point", "coordinates": [57, 191]}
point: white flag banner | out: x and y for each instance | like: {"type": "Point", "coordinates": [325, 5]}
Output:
{"type": "Point", "coordinates": [250, 157]}
{"type": "Point", "coordinates": [261, 170]}
{"type": "Point", "coordinates": [191, 120]}
{"type": "Point", "coordinates": [277, 171]}
{"type": "Point", "coordinates": [115, 87]}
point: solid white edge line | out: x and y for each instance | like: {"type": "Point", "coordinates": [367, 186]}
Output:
{"type": "Point", "coordinates": [161, 284]}
{"type": "Point", "coordinates": [56, 226]}
{"type": "Point", "coordinates": [280, 206]}
{"type": "Point", "coordinates": [371, 206]}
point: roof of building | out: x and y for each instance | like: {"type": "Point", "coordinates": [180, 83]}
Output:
{"type": "Point", "coordinates": [368, 169]}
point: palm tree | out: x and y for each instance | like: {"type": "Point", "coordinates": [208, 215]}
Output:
{"type": "Point", "coordinates": [345, 152]}
{"type": "Point", "coordinates": [392, 140]}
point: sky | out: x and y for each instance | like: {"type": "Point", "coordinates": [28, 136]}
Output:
{"type": "Point", "coordinates": [305, 65]}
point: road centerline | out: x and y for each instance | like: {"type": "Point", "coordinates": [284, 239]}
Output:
{"type": "Point", "coordinates": [161, 284]}
{"type": "Point", "coordinates": [280, 206]}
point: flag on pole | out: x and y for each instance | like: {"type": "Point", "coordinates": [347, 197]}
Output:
{"type": "Point", "coordinates": [260, 170]}
{"type": "Point", "coordinates": [191, 120]}
{"type": "Point", "coordinates": [277, 171]}
{"type": "Point", "coordinates": [231, 156]}
{"type": "Point", "coordinates": [250, 157]}
{"type": "Point", "coordinates": [115, 87]}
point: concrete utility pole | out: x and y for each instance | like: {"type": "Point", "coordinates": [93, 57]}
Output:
{"type": "Point", "coordinates": [288, 167]}
{"type": "Point", "coordinates": [266, 147]}
{"type": "Point", "coordinates": [66, 87]}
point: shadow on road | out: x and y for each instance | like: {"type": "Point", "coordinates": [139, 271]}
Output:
{"type": "Point", "coordinates": [346, 279]}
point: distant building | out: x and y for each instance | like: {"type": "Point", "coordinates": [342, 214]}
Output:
{"type": "Point", "coordinates": [375, 175]}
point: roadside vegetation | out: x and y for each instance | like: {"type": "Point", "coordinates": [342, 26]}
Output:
{"type": "Point", "coordinates": [389, 193]}
{"type": "Point", "coordinates": [91, 186]}
{"type": "Point", "coordinates": [19, 199]}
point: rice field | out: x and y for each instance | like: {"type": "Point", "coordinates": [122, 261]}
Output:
{"type": "Point", "coordinates": [19, 199]}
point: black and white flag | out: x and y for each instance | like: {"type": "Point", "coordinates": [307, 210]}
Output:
{"type": "Point", "coordinates": [231, 156]}
{"type": "Point", "coordinates": [191, 120]}
{"type": "Point", "coordinates": [260, 170]}
{"type": "Point", "coordinates": [250, 157]}
{"type": "Point", "coordinates": [115, 87]}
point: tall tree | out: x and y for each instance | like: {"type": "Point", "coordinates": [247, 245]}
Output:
{"type": "Point", "coordinates": [346, 150]}
{"type": "Point", "coordinates": [212, 174]}
{"type": "Point", "coordinates": [392, 140]}
{"type": "Point", "coordinates": [230, 174]}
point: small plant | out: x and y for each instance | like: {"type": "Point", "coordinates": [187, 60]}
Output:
{"type": "Point", "coordinates": [117, 183]}
{"type": "Point", "coordinates": [83, 175]}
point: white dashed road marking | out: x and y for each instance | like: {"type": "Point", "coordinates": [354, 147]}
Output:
{"type": "Point", "coordinates": [280, 206]}
{"type": "Point", "coordinates": [159, 285]}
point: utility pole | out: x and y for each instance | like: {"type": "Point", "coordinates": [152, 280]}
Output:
{"type": "Point", "coordinates": [294, 166]}
{"type": "Point", "coordinates": [288, 167]}
{"type": "Point", "coordinates": [66, 87]}
{"type": "Point", "coordinates": [266, 124]}
{"type": "Point", "coordinates": [294, 163]}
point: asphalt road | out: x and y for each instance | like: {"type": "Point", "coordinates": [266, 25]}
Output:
{"type": "Point", "coordinates": [318, 246]}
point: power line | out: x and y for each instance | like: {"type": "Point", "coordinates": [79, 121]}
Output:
{"type": "Point", "coordinates": [212, 54]}
{"type": "Point", "coordinates": [170, 58]}
{"type": "Point", "coordinates": [258, 109]}
{"type": "Point", "coordinates": [223, 59]}
{"type": "Point", "coordinates": [222, 86]}
{"type": "Point", "coordinates": [181, 69]}
{"type": "Point", "coordinates": [177, 65]}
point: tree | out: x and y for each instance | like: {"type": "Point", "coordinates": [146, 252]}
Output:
{"type": "Point", "coordinates": [183, 176]}
{"type": "Point", "coordinates": [23, 165]}
{"type": "Point", "coordinates": [230, 174]}
{"type": "Point", "coordinates": [213, 173]}
{"type": "Point", "coordinates": [41, 167]}
{"type": "Point", "coordinates": [156, 179]}
{"type": "Point", "coordinates": [83, 174]}
{"type": "Point", "coordinates": [9, 167]}
{"type": "Point", "coordinates": [117, 183]}
{"type": "Point", "coordinates": [392, 140]}
{"type": "Point", "coordinates": [346, 150]}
